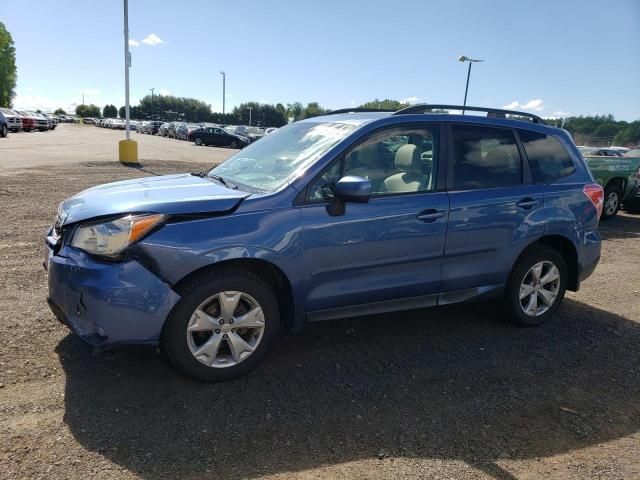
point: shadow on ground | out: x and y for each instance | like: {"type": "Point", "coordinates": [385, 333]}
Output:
{"type": "Point", "coordinates": [452, 383]}
{"type": "Point", "coordinates": [624, 225]}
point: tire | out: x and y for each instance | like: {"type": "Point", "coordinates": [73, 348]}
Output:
{"type": "Point", "coordinates": [612, 202]}
{"type": "Point", "coordinates": [198, 141]}
{"type": "Point", "coordinates": [234, 144]}
{"type": "Point", "coordinates": [3, 131]}
{"type": "Point", "coordinates": [204, 293]}
{"type": "Point", "coordinates": [522, 275]}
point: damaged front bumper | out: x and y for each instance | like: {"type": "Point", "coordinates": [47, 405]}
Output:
{"type": "Point", "coordinates": [107, 303]}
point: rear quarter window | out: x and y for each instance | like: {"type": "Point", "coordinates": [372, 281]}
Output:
{"type": "Point", "coordinates": [548, 159]}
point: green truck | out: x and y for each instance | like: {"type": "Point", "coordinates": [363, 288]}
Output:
{"type": "Point", "coordinates": [618, 175]}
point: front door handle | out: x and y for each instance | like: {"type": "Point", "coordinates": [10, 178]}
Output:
{"type": "Point", "coordinates": [430, 215]}
{"type": "Point", "coordinates": [527, 203]}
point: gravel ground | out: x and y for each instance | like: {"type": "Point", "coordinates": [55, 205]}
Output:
{"type": "Point", "coordinates": [439, 393]}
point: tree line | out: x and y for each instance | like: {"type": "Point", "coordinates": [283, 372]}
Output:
{"type": "Point", "coordinates": [8, 72]}
{"type": "Point", "coordinates": [599, 130]}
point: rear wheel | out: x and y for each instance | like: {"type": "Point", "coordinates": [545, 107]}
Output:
{"type": "Point", "coordinates": [612, 202]}
{"type": "Point", "coordinates": [536, 286]}
{"type": "Point", "coordinates": [3, 131]}
{"type": "Point", "coordinates": [223, 327]}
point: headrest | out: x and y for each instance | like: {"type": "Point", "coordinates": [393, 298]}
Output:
{"type": "Point", "coordinates": [408, 159]}
{"type": "Point", "coordinates": [497, 155]}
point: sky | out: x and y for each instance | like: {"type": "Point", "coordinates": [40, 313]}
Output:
{"type": "Point", "coordinates": [555, 58]}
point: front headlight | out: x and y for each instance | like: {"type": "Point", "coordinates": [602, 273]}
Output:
{"type": "Point", "coordinates": [113, 236]}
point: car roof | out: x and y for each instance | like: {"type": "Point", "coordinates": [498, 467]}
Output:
{"type": "Point", "coordinates": [362, 118]}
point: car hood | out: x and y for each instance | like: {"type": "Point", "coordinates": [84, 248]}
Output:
{"type": "Point", "coordinates": [168, 194]}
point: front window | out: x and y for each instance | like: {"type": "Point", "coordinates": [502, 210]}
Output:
{"type": "Point", "coordinates": [275, 160]}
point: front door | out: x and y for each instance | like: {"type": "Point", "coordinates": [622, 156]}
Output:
{"type": "Point", "coordinates": [385, 254]}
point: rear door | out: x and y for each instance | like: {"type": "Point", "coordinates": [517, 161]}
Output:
{"type": "Point", "coordinates": [495, 210]}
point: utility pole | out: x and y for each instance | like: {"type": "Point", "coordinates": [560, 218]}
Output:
{"type": "Point", "coordinates": [152, 102]}
{"type": "Point", "coordinates": [82, 98]}
{"type": "Point", "coordinates": [250, 109]}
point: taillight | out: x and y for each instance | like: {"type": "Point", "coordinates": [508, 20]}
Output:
{"type": "Point", "coordinates": [596, 194]}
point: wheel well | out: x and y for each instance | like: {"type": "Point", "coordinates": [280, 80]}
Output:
{"type": "Point", "coordinates": [568, 252]}
{"type": "Point", "coordinates": [269, 273]}
{"type": "Point", "coordinates": [619, 182]}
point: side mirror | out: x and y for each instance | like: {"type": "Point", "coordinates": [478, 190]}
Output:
{"type": "Point", "coordinates": [349, 189]}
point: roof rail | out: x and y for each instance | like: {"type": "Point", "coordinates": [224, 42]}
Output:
{"type": "Point", "coordinates": [491, 112]}
{"type": "Point", "coordinates": [358, 109]}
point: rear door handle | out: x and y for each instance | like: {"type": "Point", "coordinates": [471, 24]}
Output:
{"type": "Point", "coordinates": [527, 203]}
{"type": "Point", "coordinates": [430, 215]}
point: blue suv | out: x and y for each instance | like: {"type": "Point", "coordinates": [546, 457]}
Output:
{"type": "Point", "coordinates": [352, 213]}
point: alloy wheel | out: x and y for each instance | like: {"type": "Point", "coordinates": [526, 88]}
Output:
{"type": "Point", "coordinates": [225, 329]}
{"type": "Point", "coordinates": [539, 288]}
{"type": "Point", "coordinates": [611, 203]}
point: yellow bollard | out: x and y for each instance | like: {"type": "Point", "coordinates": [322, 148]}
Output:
{"type": "Point", "coordinates": [128, 150]}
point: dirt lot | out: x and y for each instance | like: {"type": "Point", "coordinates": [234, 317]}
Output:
{"type": "Point", "coordinates": [444, 393]}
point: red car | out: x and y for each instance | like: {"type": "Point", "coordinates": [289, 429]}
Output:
{"type": "Point", "coordinates": [28, 122]}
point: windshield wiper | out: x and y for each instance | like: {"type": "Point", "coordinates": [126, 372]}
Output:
{"type": "Point", "coordinates": [226, 183]}
{"type": "Point", "coordinates": [206, 174]}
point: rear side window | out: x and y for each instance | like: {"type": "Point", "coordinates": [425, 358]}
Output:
{"type": "Point", "coordinates": [485, 157]}
{"type": "Point", "coordinates": [548, 159]}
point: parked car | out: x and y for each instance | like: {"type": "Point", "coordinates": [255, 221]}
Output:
{"type": "Point", "coordinates": [632, 200]}
{"type": "Point", "coordinates": [185, 131]}
{"type": "Point", "coordinates": [172, 129]}
{"type": "Point", "coordinates": [618, 176]}
{"type": "Point", "coordinates": [53, 121]}
{"type": "Point", "coordinates": [4, 125]}
{"type": "Point", "coordinates": [162, 130]}
{"type": "Point", "coordinates": [335, 216]}
{"type": "Point", "coordinates": [604, 152]}
{"type": "Point", "coordinates": [13, 119]}
{"type": "Point", "coordinates": [254, 133]}
{"type": "Point", "coordinates": [218, 137]}
{"type": "Point", "coordinates": [41, 122]}
{"type": "Point", "coordinates": [29, 122]}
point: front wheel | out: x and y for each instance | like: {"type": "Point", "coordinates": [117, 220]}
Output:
{"type": "Point", "coordinates": [234, 144]}
{"type": "Point", "coordinates": [3, 131]}
{"type": "Point", "coordinates": [612, 202]}
{"type": "Point", "coordinates": [198, 141]}
{"type": "Point", "coordinates": [222, 327]}
{"type": "Point", "coordinates": [536, 286]}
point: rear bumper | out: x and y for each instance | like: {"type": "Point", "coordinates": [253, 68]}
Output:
{"type": "Point", "coordinates": [589, 254]}
{"type": "Point", "coordinates": [108, 303]}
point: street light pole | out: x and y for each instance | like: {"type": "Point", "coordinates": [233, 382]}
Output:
{"type": "Point", "coordinates": [462, 58]}
{"type": "Point", "coordinates": [127, 64]}
{"type": "Point", "coordinates": [127, 149]}
{"type": "Point", "coordinates": [152, 89]}
{"type": "Point", "coordinates": [224, 78]}
{"type": "Point", "coordinates": [250, 109]}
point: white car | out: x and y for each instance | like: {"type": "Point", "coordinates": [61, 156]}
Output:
{"type": "Point", "coordinates": [14, 119]}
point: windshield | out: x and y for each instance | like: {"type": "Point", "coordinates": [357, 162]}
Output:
{"type": "Point", "coordinates": [272, 162]}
